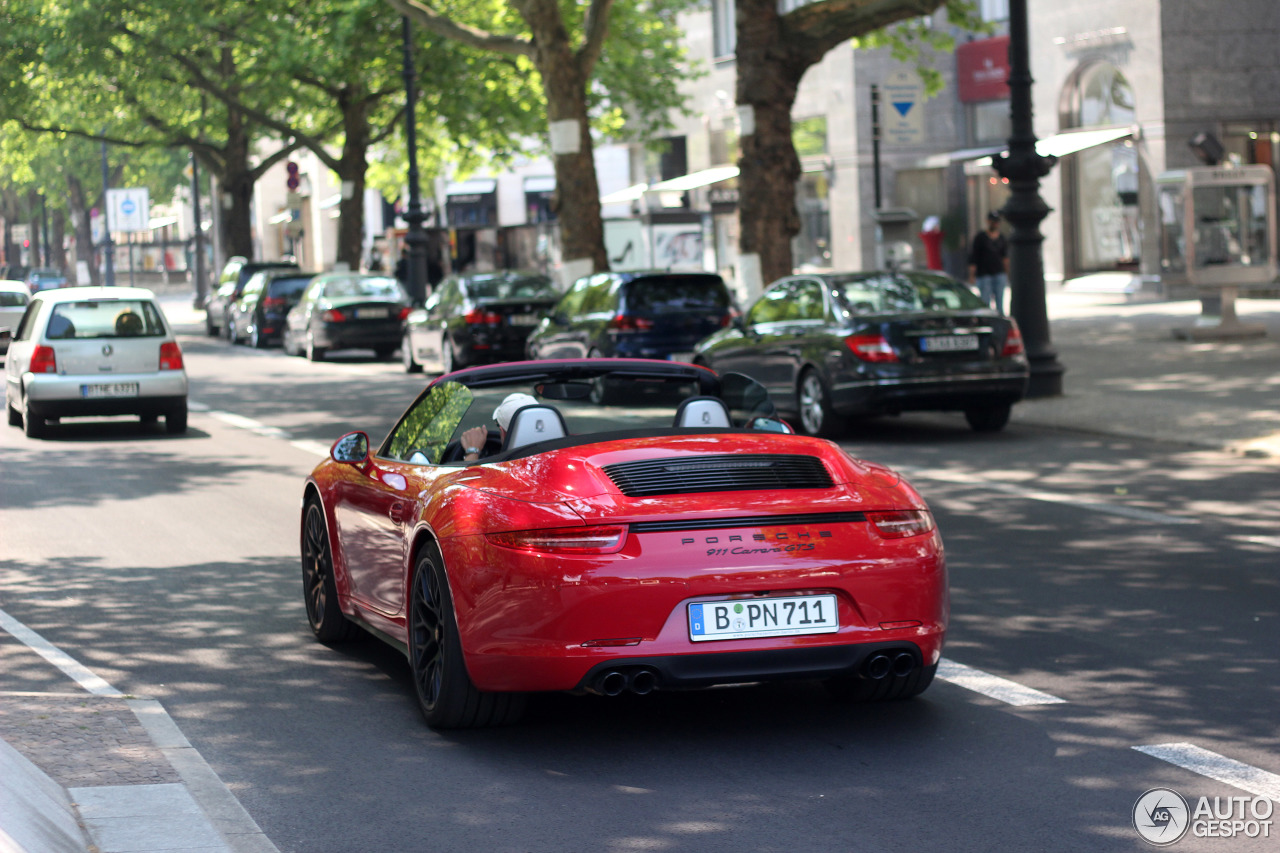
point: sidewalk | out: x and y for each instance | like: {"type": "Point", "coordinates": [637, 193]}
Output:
{"type": "Point", "coordinates": [79, 768]}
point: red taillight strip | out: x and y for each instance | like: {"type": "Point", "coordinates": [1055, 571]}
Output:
{"type": "Point", "coordinates": [901, 523]}
{"type": "Point", "coordinates": [1013, 341]}
{"type": "Point", "coordinates": [43, 360]}
{"type": "Point", "coordinates": [604, 539]}
{"type": "Point", "coordinates": [874, 348]}
{"type": "Point", "coordinates": [170, 356]}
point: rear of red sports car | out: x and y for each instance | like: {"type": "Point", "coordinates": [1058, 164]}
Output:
{"type": "Point", "coordinates": [698, 560]}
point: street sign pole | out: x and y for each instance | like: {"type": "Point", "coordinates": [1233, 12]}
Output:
{"type": "Point", "coordinates": [109, 271]}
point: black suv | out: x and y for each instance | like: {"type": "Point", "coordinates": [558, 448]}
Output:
{"type": "Point", "coordinates": [235, 274]}
{"type": "Point", "coordinates": [638, 314]}
{"type": "Point", "coordinates": [258, 316]}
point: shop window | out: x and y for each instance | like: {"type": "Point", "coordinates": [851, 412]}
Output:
{"type": "Point", "coordinates": [724, 28]}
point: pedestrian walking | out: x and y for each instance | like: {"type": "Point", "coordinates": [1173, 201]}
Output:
{"type": "Point", "coordinates": [989, 263]}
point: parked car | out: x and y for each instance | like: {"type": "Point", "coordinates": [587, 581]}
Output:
{"type": "Point", "coordinates": [258, 316]}
{"type": "Point", "coordinates": [44, 278]}
{"type": "Point", "coordinates": [838, 345]}
{"type": "Point", "coordinates": [92, 351]}
{"type": "Point", "coordinates": [14, 297]}
{"type": "Point", "coordinates": [345, 310]}
{"type": "Point", "coordinates": [481, 318]}
{"type": "Point", "coordinates": [235, 274]}
{"type": "Point", "coordinates": [684, 540]}
{"type": "Point", "coordinates": [650, 314]}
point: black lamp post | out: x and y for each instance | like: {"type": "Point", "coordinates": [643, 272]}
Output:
{"type": "Point", "coordinates": [197, 256]}
{"type": "Point", "coordinates": [416, 240]}
{"type": "Point", "coordinates": [108, 248]}
{"type": "Point", "coordinates": [1025, 210]}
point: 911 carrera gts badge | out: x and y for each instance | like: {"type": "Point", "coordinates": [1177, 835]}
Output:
{"type": "Point", "coordinates": [762, 543]}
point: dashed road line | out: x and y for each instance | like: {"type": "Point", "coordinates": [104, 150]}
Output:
{"type": "Point", "coordinates": [1237, 774]}
{"type": "Point", "coordinates": [993, 686]}
{"type": "Point", "coordinates": [1045, 496]}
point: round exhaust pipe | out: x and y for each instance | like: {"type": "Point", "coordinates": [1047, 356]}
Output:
{"type": "Point", "coordinates": [878, 666]}
{"type": "Point", "coordinates": [643, 681]}
{"type": "Point", "coordinates": [612, 683]}
{"type": "Point", "coordinates": [903, 663]}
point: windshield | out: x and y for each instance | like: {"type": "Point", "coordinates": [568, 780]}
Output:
{"type": "Point", "coordinates": [289, 289]}
{"type": "Point", "coordinates": [524, 287]}
{"type": "Point", "coordinates": [896, 293]}
{"type": "Point", "coordinates": [376, 288]}
{"type": "Point", "coordinates": [12, 299]}
{"type": "Point", "coordinates": [112, 318]}
{"type": "Point", "coordinates": [659, 294]}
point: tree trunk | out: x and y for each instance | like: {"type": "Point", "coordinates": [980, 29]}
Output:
{"type": "Point", "coordinates": [84, 233]}
{"type": "Point", "coordinates": [577, 200]}
{"type": "Point", "coordinates": [351, 170]}
{"type": "Point", "coordinates": [768, 77]}
{"type": "Point", "coordinates": [236, 183]}
{"type": "Point", "coordinates": [57, 241]}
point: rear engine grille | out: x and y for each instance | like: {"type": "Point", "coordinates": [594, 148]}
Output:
{"type": "Point", "coordinates": [720, 473]}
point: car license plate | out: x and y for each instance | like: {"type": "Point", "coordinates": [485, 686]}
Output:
{"type": "Point", "coordinates": [372, 313]}
{"type": "Point", "coordinates": [523, 319]}
{"type": "Point", "coordinates": [742, 619]}
{"type": "Point", "coordinates": [109, 389]}
{"type": "Point", "coordinates": [949, 343]}
{"type": "Point", "coordinates": [686, 357]}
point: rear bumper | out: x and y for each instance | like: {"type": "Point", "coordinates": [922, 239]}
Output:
{"type": "Point", "coordinates": [56, 396]}
{"type": "Point", "coordinates": [959, 391]}
{"type": "Point", "coordinates": [157, 406]}
{"type": "Point", "coordinates": [350, 336]}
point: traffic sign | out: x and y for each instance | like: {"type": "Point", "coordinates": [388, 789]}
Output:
{"type": "Point", "coordinates": [129, 209]}
{"type": "Point", "coordinates": [904, 122]}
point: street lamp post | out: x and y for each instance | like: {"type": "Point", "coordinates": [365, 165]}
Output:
{"type": "Point", "coordinates": [108, 249]}
{"type": "Point", "coordinates": [197, 256]}
{"type": "Point", "coordinates": [1025, 210]}
{"type": "Point", "coordinates": [416, 240]}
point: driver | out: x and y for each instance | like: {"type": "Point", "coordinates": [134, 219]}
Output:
{"type": "Point", "coordinates": [473, 440]}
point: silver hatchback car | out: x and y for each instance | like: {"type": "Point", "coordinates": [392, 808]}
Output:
{"type": "Point", "coordinates": [94, 351]}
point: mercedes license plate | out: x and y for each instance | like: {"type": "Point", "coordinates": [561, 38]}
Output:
{"type": "Point", "coordinates": [109, 389]}
{"type": "Point", "coordinates": [743, 619]}
{"type": "Point", "coordinates": [949, 343]}
{"type": "Point", "coordinates": [523, 319]}
{"type": "Point", "coordinates": [372, 313]}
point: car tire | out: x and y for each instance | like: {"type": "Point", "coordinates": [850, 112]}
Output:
{"type": "Point", "coordinates": [446, 696]}
{"type": "Point", "coordinates": [256, 340]}
{"type": "Point", "coordinates": [33, 425]}
{"type": "Point", "coordinates": [991, 417]}
{"type": "Point", "coordinates": [383, 353]}
{"type": "Point", "coordinates": [314, 353]}
{"type": "Point", "coordinates": [15, 416]}
{"type": "Point", "coordinates": [229, 331]}
{"type": "Point", "coordinates": [319, 589]}
{"type": "Point", "coordinates": [175, 420]}
{"type": "Point", "coordinates": [209, 329]}
{"type": "Point", "coordinates": [448, 362]}
{"type": "Point", "coordinates": [813, 401]}
{"type": "Point", "coordinates": [406, 356]}
{"type": "Point", "coordinates": [889, 689]}
{"type": "Point", "coordinates": [148, 419]}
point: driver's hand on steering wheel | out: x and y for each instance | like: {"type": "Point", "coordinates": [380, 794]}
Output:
{"type": "Point", "coordinates": [473, 441]}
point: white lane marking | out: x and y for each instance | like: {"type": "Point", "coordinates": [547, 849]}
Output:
{"type": "Point", "coordinates": [311, 446]}
{"type": "Point", "coordinates": [241, 422]}
{"type": "Point", "coordinates": [1047, 497]}
{"type": "Point", "coordinates": [1237, 774]}
{"type": "Point", "coordinates": [993, 686]}
{"type": "Point", "coordinates": [72, 668]}
{"type": "Point", "coordinates": [1273, 541]}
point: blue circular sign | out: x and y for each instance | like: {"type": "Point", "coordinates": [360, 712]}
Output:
{"type": "Point", "coordinates": [127, 207]}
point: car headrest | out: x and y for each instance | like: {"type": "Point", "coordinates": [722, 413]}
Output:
{"type": "Point", "coordinates": [533, 424]}
{"type": "Point", "coordinates": [702, 412]}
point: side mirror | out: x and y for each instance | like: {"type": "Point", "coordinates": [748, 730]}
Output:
{"type": "Point", "coordinates": [351, 449]}
{"type": "Point", "coordinates": [771, 425]}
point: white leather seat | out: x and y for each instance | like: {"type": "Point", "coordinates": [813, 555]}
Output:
{"type": "Point", "coordinates": [698, 412]}
{"type": "Point", "coordinates": [533, 424]}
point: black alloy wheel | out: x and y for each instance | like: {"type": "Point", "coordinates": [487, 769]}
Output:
{"type": "Point", "coordinates": [446, 696]}
{"type": "Point", "coordinates": [814, 402]}
{"type": "Point", "coordinates": [406, 356]}
{"type": "Point", "coordinates": [319, 591]}
{"type": "Point", "coordinates": [990, 417]}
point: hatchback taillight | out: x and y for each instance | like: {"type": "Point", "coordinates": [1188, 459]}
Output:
{"type": "Point", "coordinates": [606, 539]}
{"type": "Point", "coordinates": [170, 356]}
{"type": "Point", "coordinates": [899, 524]}
{"type": "Point", "coordinates": [405, 311]}
{"type": "Point", "coordinates": [871, 348]}
{"type": "Point", "coordinates": [43, 360]}
{"type": "Point", "coordinates": [476, 317]}
{"type": "Point", "coordinates": [333, 315]}
{"type": "Point", "coordinates": [627, 323]}
{"type": "Point", "coordinates": [273, 302]}
{"type": "Point", "coordinates": [1013, 342]}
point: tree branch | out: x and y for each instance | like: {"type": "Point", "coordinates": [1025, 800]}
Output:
{"type": "Point", "coordinates": [420, 13]}
{"type": "Point", "coordinates": [818, 27]}
{"type": "Point", "coordinates": [594, 28]}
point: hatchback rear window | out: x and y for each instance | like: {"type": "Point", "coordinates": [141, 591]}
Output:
{"type": "Point", "coordinates": [668, 293]}
{"type": "Point", "coordinates": [289, 289]}
{"type": "Point", "coordinates": [380, 288]}
{"type": "Point", "coordinates": [529, 287]}
{"type": "Point", "coordinates": [903, 293]}
{"type": "Point", "coordinates": [112, 318]}
{"type": "Point", "coordinates": [12, 299]}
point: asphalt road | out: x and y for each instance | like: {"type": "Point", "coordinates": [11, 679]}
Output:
{"type": "Point", "coordinates": [1135, 582]}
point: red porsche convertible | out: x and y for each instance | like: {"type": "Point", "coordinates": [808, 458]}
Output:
{"type": "Point", "coordinates": [610, 525]}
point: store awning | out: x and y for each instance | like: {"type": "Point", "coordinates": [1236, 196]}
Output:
{"type": "Point", "coordinates": [1071, 141]}
{"type": "Point", "coordinates": [476, 186]}
{"type": "Point", "coordinates": [631, 193]}
{"type": "Point", "coordinates": [693, 180]}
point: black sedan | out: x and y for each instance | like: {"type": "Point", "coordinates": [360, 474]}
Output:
{"type": "Point", "coordinates": [346, 310]}
{"type": "Point", "coordinates": [480, 318]}
{"type": "Point", "coordinates": [834, 346]}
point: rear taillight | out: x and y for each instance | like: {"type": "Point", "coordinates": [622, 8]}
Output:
{"type": "Point", "coordinates": [170, 356]}
{"type": "Point", "coordinates": [871, 347]}
{"type": "Point", "coordinates": [333, 315]}
{"type": "Point", "coordinates": [727, 320]}
{"type": "Point", "coordinates": [405, 312]}
{"type": "Point", "coordinates": [606, 539]}
{"type": "Point", "coordinates": [476, 317]}
{"type": "Point", "coordinates": [273, 302]}
{"type": "Point", "coordinates": [1013, 342]}
{"type": "Point", "coordinates": [899, 524]}
{"type": "Point", "coordinates": [43, 360]}
{"type": "Point", "coordinates": [627, 323]}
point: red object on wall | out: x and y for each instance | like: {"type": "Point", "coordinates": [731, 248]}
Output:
{"type": "Point", "coordinates": [982, 70]}
{"type": "Point", "coordinates": [932, 249]}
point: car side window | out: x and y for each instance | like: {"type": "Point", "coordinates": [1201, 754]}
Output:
{"type": "Point", "coordinates": [28, 321]}
{"type": "Point", "coordinates": [429, 424]}
{"type": "Point", "coordinates": [599, 296]}
{"type": "Point", "coordinates": [773, 306]}
{"type": "Point", "coordinates": [807, 302]}
{"type": "Point", "coordinates": [571, 304]}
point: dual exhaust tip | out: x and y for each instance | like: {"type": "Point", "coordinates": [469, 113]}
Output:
{"type": "Point", "coordinates": [638, 680]}
{"type": "Point", "coordinates": [883, 664]}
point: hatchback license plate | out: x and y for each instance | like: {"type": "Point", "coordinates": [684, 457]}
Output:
{"type": "Point", "coordinates": [949, 343]}
{"type": "Point", "coordinates": [372, 313]}
{"type": "Point", "coordinates": [743, 619]}
{"type": "Point", "coordinates": [110, 389]}
{"type": "Point", "coordinates": [523, 319]}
